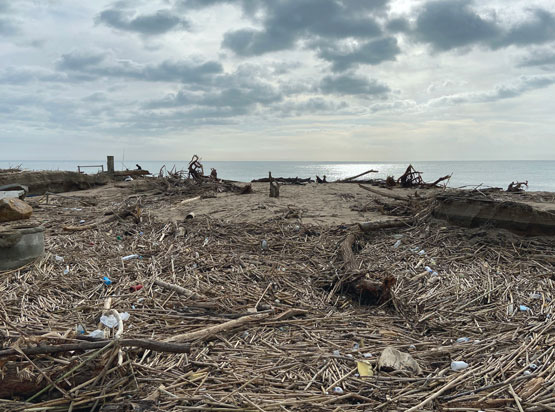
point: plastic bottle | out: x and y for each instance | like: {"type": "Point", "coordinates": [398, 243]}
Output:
{"type": "Point", "coordinates": [397, 244]}
{"type": "Point", "coordinates": [264, 244]}
{"type": "Point", "coordinates": [129, 257]}
{"type": "Point", "coordinates": [463, 340]}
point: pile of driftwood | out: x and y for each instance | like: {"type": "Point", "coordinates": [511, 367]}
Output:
{"type": "Point", "coordinates": [193, 181]}
{"type": "Point", "coordinates": [135, 315]}
{"type": "Point", "coordinates": [413, 179]}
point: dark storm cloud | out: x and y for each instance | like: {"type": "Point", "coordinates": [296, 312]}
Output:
{"type": "Point", "coordinates": [346, 84]}
{"type": "Point", "coordinates": [100, 65]}
{"type": "Point", "coordinates": [286, 22]}
{"type": "Point", "coordinates": [447, 25]}
{"type": "Point", "coordinates": [372, 52]}
{"type": "Point", "coordinates": [148, 24]}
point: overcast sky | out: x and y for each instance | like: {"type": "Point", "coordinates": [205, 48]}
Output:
{"type": "Point", "coordinates": [277, 79]}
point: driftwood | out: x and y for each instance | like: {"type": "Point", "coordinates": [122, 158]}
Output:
{"type": "Point", "coordinates": [19, 379]}
{"type": "Point", "coordinates": [385, 224]}
{"type": "Point", "coordinates": [274, 186]}
{"type": "Point", "coordinates": [285, 180]}
{"type": "Point", "coordinates": [384, 194]}
{"type": "Point", "coordinates": [516, 187]}
{"type": "Point", "coordinates": [346, 250]}
{"type": "Point", "coordinates": [196, 170]}
{"type": "Point", "coordinates": [410, 178]}
{"type": "Point", "coordinates": [213, 330]}
{"type": "Point", "coordinates": [318, 180]}
{"type": "Point", "coordinates": [177, 289]}
{"type": "Point", "coordinates": [96, 344]}
{"type": "Point", "coordinates": [350, 179]}
{"type": "Point", "coordinates": [374, 291]}
{"type": "Point", "coordinates": [132, 173]}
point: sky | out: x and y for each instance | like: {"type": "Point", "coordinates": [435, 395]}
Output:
{"type": "Point", "coordinates": [338, 80]}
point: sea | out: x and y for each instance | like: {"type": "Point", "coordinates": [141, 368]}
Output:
{"type": "Point", "coordinates": [540, 174]}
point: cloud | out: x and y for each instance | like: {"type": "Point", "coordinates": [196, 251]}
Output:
{"type": "Point", "coordinates": [97, 64]}
{"type": "Point", "coordinates": [398, 25]}
{"type": "Point", "coordinates": [538, 30]}
{"type": "Point", "coordinates": [239, 98]}
{"type": "Point", "coordinates": [148, 24]}
{"type": "Point", "coordinates": [80, 60]}
{"type": "Point", "coordinates": [7, 27]}
{"type": "Point", "coordinates": [447, 25]}
{"type": "Point", "coordinates": [450, 24]}
{"type": "Point", "coordinates": [504, 91]}
{"type": "Point", "coordinates": [372, 52]}
{"type": "Point", "coordinates": [286, 22]}
{"type": "Point", "coordinates": [543, 57]}
{"type": "Point", "coordinates": [349, 84]}
{"type": "Point", "coordinates": [19, 75]}
{"type": "Point", "coordinates": [313, 105]}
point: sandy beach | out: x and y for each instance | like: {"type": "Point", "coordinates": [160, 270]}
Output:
{"type": "Point", "coordinates": [265, 308]}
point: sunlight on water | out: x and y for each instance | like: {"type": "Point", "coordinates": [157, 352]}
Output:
{"type": "Point", "coordinates": [540, 174]}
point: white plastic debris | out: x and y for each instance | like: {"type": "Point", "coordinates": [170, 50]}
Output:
{"type": "Point", "coordinates": [124, 316]}
{"type": "Point", "coordinates": [58, 258]}
{"type": "Point", "coordinates": [422, 252]}
{"type": "Point", "coordinates": [428, 269]}
{"type": "Point", "coordinates": [336, 352]}
{"type": "Point", "coordinates": [458, 365]}
{"type": "Point", "coordinates": [128, 179]}
{"type": "Point", "coordinates": [97, 334]}
{"type": "Point", "coordinates": [523, 308]}
{"type": "Point", "coordinates": [109, 321]}
{"type": "Point", "coordinates": [397, 244]}
{"type": "Point", "coordinates": [338, 390]}
{"type": "Point", "coordinates": [463, 340]}
{"type": "Point", "coordinates": [264, 244]}
{"type": "Point", "coordinates": [367, 355]}
{"type": "Point", "coordinates": [129, 257]}
{"type": "Point", "coordinates": [66, 270]}
{"type": "Point", "coordinates": [82, 221]}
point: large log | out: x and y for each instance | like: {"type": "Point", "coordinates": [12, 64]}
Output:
{"type": "Point", "coordinates": [384, 224]}
{"type": "Point", "coordinates": [349, 179]}
{"type": "Point", "coordinates": [384, 194]}
{"type": "Point", "coordinates": [368, 291]}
